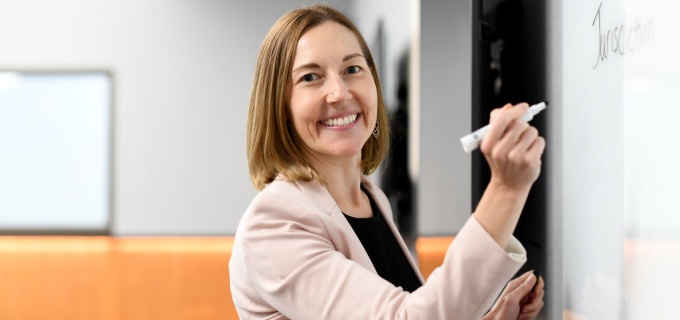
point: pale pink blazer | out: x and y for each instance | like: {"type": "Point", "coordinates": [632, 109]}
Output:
{"type": "Point", "coordinates": [295, 256]}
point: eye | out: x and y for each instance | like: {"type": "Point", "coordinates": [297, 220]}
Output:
{"type": "Point", "coordinates": [353, 69]}
{"type": "Point", "coordinates": [308, 77]}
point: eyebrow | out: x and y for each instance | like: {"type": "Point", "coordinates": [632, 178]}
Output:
{"type": "Point", "coordinates": [351, 56]}
{"type": "Point", "coordinates": [315, 66]}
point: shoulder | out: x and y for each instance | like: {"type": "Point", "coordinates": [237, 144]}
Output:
{"type": "Point", "coordinates": [279, 188]}
{"type": "Point", "coordinates": [285, 193]}
{"type": "Point", "coordinates": [283, 203]}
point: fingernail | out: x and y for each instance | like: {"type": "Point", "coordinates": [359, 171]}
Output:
{"type": "Point", "coordinates": [529, 278]}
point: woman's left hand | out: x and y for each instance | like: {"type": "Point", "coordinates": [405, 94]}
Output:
{"type": "Point", "coordinates": [518, 300]}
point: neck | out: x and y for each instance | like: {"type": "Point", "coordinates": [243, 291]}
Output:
{"type": "Point", "coordinates": [343, 178]}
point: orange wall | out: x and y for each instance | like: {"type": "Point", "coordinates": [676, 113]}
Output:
{"type": "Point", "coordinates": [115, 278]}
{"type": "Point", "coordinates": [109, 278]}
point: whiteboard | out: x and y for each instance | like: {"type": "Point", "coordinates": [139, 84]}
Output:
{"type": "Point", "coordinates": [652, 82]}
{"type": "Point", "coordinates": [592, 164]}
{"type": "Point", "coordinates": [619, 158]}
{"type": "Point", "coordinates": [55, 151]}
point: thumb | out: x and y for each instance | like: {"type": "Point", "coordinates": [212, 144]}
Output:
{"type": "Point", "coordinates": [522, 285]}
{"type": "Point", "coordinates": [525, 286]}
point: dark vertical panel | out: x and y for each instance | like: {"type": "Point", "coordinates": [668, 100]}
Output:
{"type": "Point", "coordinates": [518, 26]}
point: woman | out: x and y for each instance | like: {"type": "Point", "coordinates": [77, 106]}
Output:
{"type": "Point", "coordinates": [318, 241]}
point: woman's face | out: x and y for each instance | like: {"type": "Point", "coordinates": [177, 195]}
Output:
{"type": "Point", "coordinates": [333, 99]}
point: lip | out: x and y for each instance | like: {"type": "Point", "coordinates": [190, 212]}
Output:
{"type": "Point", "coordinates": [358, 114]}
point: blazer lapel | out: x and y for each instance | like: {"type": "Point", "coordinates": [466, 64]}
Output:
{"type": "Point", "coordinates": [320, 195]}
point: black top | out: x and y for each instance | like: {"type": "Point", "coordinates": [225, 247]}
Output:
{"type": "Point", "coordinates": [382, 247]}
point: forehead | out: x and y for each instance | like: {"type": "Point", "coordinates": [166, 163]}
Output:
{"type": "Point", "coordinates": [327, 38]}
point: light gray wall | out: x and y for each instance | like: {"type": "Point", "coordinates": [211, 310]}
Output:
{"type": "Point", "coordinates": [182, 78]}
{"type": "Point", "coordinates": [445, 111]}
{"type": "Point", "coordinates": [553, 156]}
{"type": "Point", "coordinates": [397, 23]}
{"type": "Point", "coordinates": [443, 102]}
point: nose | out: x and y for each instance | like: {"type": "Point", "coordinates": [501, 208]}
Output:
{"type": "Point", "coordinates": [337, 90]}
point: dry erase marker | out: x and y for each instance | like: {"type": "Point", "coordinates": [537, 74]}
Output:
{"type": "Point", "coordinates": [472, 140]}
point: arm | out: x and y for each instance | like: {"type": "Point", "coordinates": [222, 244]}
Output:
{"type": "Point", "coordinates": [295, 267]}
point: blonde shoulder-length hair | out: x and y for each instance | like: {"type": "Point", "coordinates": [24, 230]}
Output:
{"type": "Point", "coordinates": [271, 141]}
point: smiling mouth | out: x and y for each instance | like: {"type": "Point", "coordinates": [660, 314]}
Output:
{"type": "Point", "coordinates": [342, 121]}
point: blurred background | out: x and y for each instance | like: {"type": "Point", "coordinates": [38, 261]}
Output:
{"type": "Point", "coordinates": [123, 171]}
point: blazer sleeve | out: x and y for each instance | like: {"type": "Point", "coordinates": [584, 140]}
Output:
{"type": "Point", "coordinates": [294, 267]}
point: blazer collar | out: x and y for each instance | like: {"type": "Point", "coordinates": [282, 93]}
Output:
{"type": "Point", "coordinates": [320, 195]}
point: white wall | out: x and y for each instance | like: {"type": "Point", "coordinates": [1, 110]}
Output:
{"type": "Point", "coordinates": [182, 78]}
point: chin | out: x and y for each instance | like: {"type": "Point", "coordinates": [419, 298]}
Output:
{"type": "Point", "coordinates": [347, 152]}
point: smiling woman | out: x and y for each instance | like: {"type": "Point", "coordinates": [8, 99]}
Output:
{"type": "Point", "coordinates": [318, 241]}
{"type": "Point", "coordinates": [332, 89]}
{"type": "Point", "coordinates": [288, 68]}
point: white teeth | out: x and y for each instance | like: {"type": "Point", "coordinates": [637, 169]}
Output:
{"type": "Point", "coordinates": [343, 121]}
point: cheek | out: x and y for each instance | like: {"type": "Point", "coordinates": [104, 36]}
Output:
{"type": "Point", "coordinates": [372, 99]}
{"type": "Point", "coordinates": [302, 113]}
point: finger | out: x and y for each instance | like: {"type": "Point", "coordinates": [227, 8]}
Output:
{"type": "Point", "coordinates": [501, 118]}
{"type": "Point", "coordinates": [513, 132]}
{"type": "Point", "coordinates": [530, 315]}
{"type": "Point", "coordinates": [525, 287]}
{"type": "Point", "coordinates": [503, 147]}
{"type": "Point", "coordinates": [521, 108]}
{"type": "Point", "coordinates": [536, 303]}
{"type": "Point", "coordinates": [536, 149]}
{"type": "Point", "coordinates": [538, 292]}
{"type": "Point", "coordinates": [524, 142]}
{"type": "Point", "coordinates": [498, 124]}
{"type": "Point", "coordinates": [534, 306]}
{"type": "Point", "coordinates": [504, 107]}
{"type": "Point", "coordinates": [513, 284]}
{"type": "Point", "coordinates": [526, 316]}
{"type": "Point", "coordinates": [539, 286]}
{"type": "Point", "coordinates": [527, 138]}
{"type": "Point", "coordinates": [521, 287]}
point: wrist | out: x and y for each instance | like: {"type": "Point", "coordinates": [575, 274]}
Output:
{"type": "Point", "coordinates": [511, 192]}
{"type": "Point", "coordinates": [499, 210]}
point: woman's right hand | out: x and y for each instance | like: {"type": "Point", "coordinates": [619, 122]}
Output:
{"type": "Point", "coordinates": [512, 148]}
